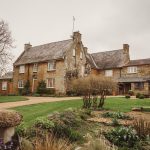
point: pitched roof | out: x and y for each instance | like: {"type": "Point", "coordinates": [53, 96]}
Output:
{"type": "Point", "coordinates": [44, 52]}
{"type": "Point", "coordinates": [139, 62]}
{"type": "Point", "coordinates": [8, 75]}
{"type": "Point", "coordinates": [109, 59]}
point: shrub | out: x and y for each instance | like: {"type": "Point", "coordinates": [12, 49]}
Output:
{"type": "Point", "coordinates": [21, 130]}
{"type": "Point", "coordinates": [43, 123]}
{"type": "Point", "coordinates": [141, 96]}
{"type": "Point", "coordinates": [138, 95]}
{"type": "Point", "coordinates": [127, 96]}
{"type": "Point", "coordinates": [123, 136]}
{"type": "Point", "coordinates": [117, 115]}
{"type": "Point", "coordinates": [26, 89]}
{"type": "Point", "coordinates": [41, 89]}
{"type": "Point", "coordinates": [142, 128]}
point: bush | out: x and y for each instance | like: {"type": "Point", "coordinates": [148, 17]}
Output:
{"type": "Point", "coordinates": [41, 89]}
{"type": "Point", "coordinates": [141, 96]}
{"type": "Point", "coordinates": [117, 115]}
{"type": "Point", "coordinates": [43, 123]}
{"type": "Point", "coordinates": [127, 96]}
{"type": "Point", "coordinates": [138, 95]}
{"type": "Point", "coordinates": [21, 130]}
{"type": "Point", "coordinates": [123, 136]}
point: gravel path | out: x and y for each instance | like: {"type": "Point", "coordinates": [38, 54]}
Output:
{"type": "Point", "coordinates": [35, 100]}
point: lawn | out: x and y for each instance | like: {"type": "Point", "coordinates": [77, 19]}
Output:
{"type": "Point", "coordinates": [116, 104]}
{"type": "Point", "coordinates": [4, 99]}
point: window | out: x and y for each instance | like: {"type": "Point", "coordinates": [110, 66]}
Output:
{"type": "Point", "coordinates": [74, 53]}
{"type": "Point", "coordinates": [132, 69]}
{"type": "Point", "coordinates": [22, 69]}
{"type": "Point", "coordinates": [20, 84]}
{"type": "Point", "coordinates": [81, 55]}
{"type": "Point", "coordinates": [51, 66]}
{"type": "Point", "coordinates": [139, 86]}
{"type": "Point", "coordinates": [82, 70]}
{"type": "Point", "coordinates": [50, 83]}
{"type": "Point", "coordinates": [4, 86]}
{"type": "Point", "coordinates": [108, 73]}
{"type": "Point", "coordinates": [35, 67]}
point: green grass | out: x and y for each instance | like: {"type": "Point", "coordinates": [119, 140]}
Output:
{"type": "Point", "coordinates": [31, 112]}
{"type": "Point", "coordinates": [4, 99]}
{"type": "Point", "coordinates": [125, 105]}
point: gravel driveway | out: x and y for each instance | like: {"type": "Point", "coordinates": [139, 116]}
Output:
{"type": "Point", "coordinates": [35, 100]}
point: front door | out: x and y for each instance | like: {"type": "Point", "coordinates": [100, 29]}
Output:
{"type": "Point", "coordinates": [34, 85]}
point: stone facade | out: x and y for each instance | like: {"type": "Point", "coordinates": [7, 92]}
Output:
{"type": "Point", "coordinates": [74, 59]}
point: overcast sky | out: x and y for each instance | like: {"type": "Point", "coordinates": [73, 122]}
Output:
{"type": "Point", "coordinates": [104, 24]}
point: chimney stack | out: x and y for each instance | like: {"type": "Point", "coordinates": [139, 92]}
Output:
{"type": "Point", "coordinates": [77, 36]}
{"type": "Point", "coordinates": [27, 46]}
{"type": "Point", "coordinates": [85, 49]}
{"type": "Point", "coordinates": [126, 48]}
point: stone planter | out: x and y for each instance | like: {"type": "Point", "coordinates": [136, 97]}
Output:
{"type": "Point", "coordinates": [8, 121]}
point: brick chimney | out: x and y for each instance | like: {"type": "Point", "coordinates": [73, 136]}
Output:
{"type": "Point", "coordinates": [126, 48]}
{"type": "Point", "coordinates": [85, 49]}
{"type": "Point", "coordinates": [77, 36]}
{"type": "Point", "coordinates": [27, 46]}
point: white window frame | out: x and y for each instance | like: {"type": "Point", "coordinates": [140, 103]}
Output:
{"type": "Point", "coordinates": [51, 66]}
{"type": "Point", "coordinates": [81, 55]}
{"type": "Point", "coordinates": [74, 52]}
{"type": "Point", "coordinates": [22, 69]}
{"type": "Point", "coordinates": [35, 67]}
{"type": "Point", "coordinates": [53, 83]}
{"type": "Point", "coordinates": [20, 84]}
{"type": "Point", "coordinates": [4, 85]}
{"type": "Point", "coordinates": [109, 73]}
{"type": "Point", "coordinates": [132, 69]}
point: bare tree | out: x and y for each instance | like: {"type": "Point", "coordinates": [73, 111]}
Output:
{"type": "Point", "coordinates": [5, 46]}
{"type": "Point", "coordinates": [93, 89]}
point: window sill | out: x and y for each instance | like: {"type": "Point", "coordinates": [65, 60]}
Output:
{"type": "Point", "coordinates": [50, 87]}
{"type": "Point", "coordinates": [20, 87]}
{"type": "Point", "coordinates": [51, 70]}
{"type": "Point", "coordinates": [4, 89]}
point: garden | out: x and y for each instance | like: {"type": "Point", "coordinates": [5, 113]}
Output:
{"type": "Point", "coordinates": [91, 123]}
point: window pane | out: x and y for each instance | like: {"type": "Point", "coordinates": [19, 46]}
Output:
{"type": "Point", "coordinates": [4, 85]}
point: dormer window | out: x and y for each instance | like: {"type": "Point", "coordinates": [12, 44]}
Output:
{"type": "Point", "coordinates": [108, 73]}
{"type": "Point", "coordinates": [132, 69]}
{"type": "Point", "coordinates": [51, 66]}
{"type": "Point", "coordinates": [22, 69]}
{"type": "Point", "coordinates": [81, 55]}
{"type": "Point", "coordinates": [35, 67]}
{"type": "Point", "coordinates": [74, 53]}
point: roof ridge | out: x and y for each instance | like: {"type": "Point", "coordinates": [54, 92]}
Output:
{"type": "Point", "coordinates": [50, 43]}
{"type": "Point", "coordinates": [107, 51]}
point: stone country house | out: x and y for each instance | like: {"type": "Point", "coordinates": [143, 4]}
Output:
{"type": "Point", "coordinates": [57, 61]}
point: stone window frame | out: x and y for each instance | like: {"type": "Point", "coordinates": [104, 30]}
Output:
{"type": "Point", "coordinates": [73, 52]}
{"type": "Point", "coordinates": [4, 85]}
{"type": "Point", "coordinates": [35, 67]}
{"type": "Point", "coordinates": [22, 69]}
{"type": "Point", "coordinates": [50, 84]}
{"type": "Point", "coordinates": [20, 84]}
{"type": "Point", "coordinates": [81, 55]}
{"type": "Point", "coordinates": [51, 66]}
{"type": "Point", "coordinates": [132, 69]}
{"type": "Point", "coordinates": [109, 73]}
